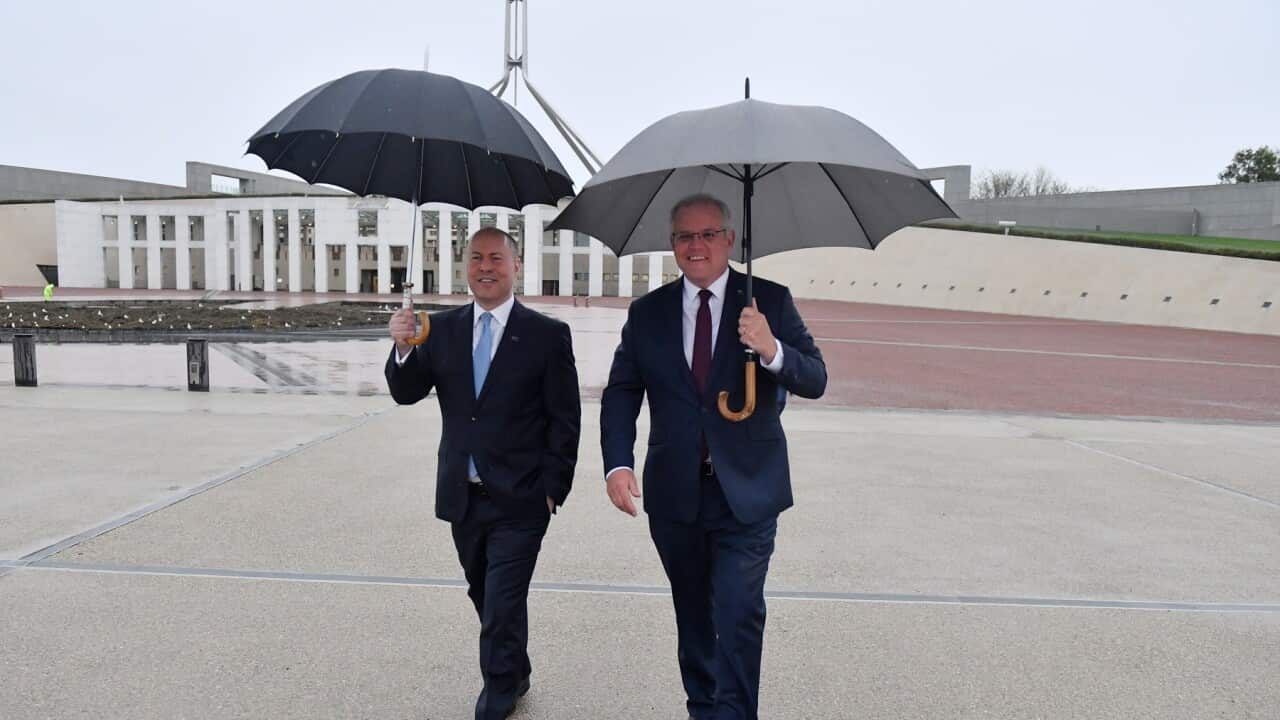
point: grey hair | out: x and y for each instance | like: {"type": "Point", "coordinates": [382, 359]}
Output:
{"type": "Point", "coordinates": [508, 237]}
{"type": "Point", "coordinates": [700, 199]}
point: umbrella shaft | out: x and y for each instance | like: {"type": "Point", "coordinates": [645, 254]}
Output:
{"type": "Point", "coordinates": [407, 284]}
{"type": "Point", "coordinates": [748, 188]}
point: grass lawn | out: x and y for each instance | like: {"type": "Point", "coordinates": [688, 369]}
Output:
{"type": "Point", "coordinates": [1235, 247]}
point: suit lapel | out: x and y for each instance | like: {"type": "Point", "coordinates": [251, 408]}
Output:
{"type": "Point", "coordinates": [462, 335]}
{"type": "Point", "coordinates": [672, 334]}
{"type": "Point", "coordinates": [504, 353]}
{"type": "Point", "coordinates": [728, 351]}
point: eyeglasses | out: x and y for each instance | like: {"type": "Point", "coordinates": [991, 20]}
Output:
{"type": "Point", "coordinates": [707, 235]}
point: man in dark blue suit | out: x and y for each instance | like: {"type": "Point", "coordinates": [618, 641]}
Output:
{"type": "Point", "coordinates": [508, 391]}
{"type": "Point", "coordinates": [713, 489]}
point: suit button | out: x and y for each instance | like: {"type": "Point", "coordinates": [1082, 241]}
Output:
{"type": "Point", "coordinates": [473, 418]}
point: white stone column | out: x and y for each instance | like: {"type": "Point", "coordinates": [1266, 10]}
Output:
{"type": "Point", "coordinates": [155, 271]}
{"type": "Point", "coordinates": [182, 251]}
{"type": "Point", "coordinates": [532, 250]}
{"type": "Point", "coordinates": [595, 269]}
{"type": "Point", "coordinates": [384, 263]}
{"type": "Point", "coordinates": [473, 226]}
{"type": "Point", "coordinates": [445, 266]}
{"type": "Point", "coordinates": [244, 252]}
{"type": "Point", "coordinates": [215, 249]}
{"type": "Point", "coordinates": [269, 248]}
{"type": "Point", "coordinates": [322, 262]}
{"type": "Point", "coordinates": [418, 234]}
{"type": "Point", "coordinates": [327, 221]}
{"type": "Point", "coordinates": [353, 266]}
{"type": "Point", "coordinates": [295, 250]}
{"type": "Point", "coordinates": [624, 275]}
{"type": "Point", "coordinates": [566, 262]}
{"type": "Point", "coordinates": [655, 271]}
{"type": "Point", "coordinates": [124, 242]}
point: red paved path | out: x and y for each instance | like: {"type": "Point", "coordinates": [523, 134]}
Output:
{"type": "Point", "coordinates": [882, 356]}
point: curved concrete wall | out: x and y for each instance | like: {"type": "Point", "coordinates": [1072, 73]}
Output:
{"type": "Point", "coordinates": [1031, 276]}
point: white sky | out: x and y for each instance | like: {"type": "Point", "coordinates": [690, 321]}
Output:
{"type": "Point", "coordinates": [1111, 95]}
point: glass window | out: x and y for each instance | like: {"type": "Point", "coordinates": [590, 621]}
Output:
{"type": "Point", "coordinates": [368, 223]}
{"type": "Point", "coordinates": [225, 185]}
{"type": "Point", "coordinates": [109, 232]}
{"type": "Point", "coordinates": [307, 227]}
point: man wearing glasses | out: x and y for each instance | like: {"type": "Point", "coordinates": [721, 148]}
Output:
{"type": "Point", "coordinates": [713, 489]}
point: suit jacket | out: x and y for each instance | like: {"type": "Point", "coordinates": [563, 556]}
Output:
{"type": "Point", "coordinates": [750, 457]}
{"type": "Point", "coordinates": [523, 428]}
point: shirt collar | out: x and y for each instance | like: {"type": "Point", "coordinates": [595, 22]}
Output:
{"type": "Point", "coordinates": [500, 314]}
{"type": "Point", "coordinates": [717, 288]}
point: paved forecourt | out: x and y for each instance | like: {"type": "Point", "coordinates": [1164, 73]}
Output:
{"type": "Point", "coordinates": [268, 554]}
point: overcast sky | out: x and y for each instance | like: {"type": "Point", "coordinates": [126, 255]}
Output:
{"type": "Point", "coordinates": [1108, 94]}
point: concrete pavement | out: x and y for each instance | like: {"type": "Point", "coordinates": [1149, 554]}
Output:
{"type": "Point", "coordinates": [937, 564]}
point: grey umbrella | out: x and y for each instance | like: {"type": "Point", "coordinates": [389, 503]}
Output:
{"type": "Point", "coordinates": [804, 176]}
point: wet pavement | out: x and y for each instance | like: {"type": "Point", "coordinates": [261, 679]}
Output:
{"type": "Point", "coordinates": [325, 362]}
{"type": "Point", "coordinates": [877, 356]}
{"type": "Point", "coordinates": [979, 531]}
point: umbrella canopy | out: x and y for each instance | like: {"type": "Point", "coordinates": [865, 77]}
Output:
{"type": "Point", "coordinates": [819, 178]}
{"type": "Point", "coordinates": [417, 136]}
{"type": "Point", "coordinates": [804, 177]}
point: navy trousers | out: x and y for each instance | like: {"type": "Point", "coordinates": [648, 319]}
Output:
{"type": "Point", "coordinates": [717, 568]}
{"type": "Point", "coordinates": [498, 555]}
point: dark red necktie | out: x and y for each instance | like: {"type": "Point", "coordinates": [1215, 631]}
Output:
{"type": "Point", "coordinates": [702, 355]}
{"type": "Point", "coordinates": [702, 342]}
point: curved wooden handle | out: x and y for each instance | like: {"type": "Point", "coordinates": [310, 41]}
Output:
{"type": "Point", "coordinates": [749, 406]}
{"type": "Point", "coordinates": [421, 337]}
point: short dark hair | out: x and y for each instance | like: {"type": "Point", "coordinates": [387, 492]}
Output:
{"type": "Point", "coordinates": [508, 237]}
{"type": "Point", "coordinates": [700, 199]}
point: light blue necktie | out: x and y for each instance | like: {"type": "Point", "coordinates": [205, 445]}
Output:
{"type": "Point", "coordinates": [480, 368]}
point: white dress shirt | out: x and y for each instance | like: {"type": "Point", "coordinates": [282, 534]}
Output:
{"type": "Point", "coordinates": [501, 315]}
{"type": "Point", "coordinates": [715, 304]}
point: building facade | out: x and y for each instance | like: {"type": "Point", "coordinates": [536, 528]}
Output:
{"type": "Point", "coordinates": [326, 244]}
{"type": "Point", "coordinates": [231, 229]}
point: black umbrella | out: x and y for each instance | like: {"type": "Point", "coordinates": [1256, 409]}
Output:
{"type": "Point", "coordinates": [416, 136]}
{"type": "Point", "coordinates": [817, 176]}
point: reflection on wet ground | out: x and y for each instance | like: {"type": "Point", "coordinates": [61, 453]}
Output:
{"type": "Point", "coordinates": [342, 362]}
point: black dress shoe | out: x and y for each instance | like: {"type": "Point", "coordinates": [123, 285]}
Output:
{"type": "Point", "coordinates": [521, 689]}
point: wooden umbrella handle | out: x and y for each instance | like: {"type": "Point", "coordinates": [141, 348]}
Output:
{"type": "Point", "coordinates": [749, 406]}
{"type": "Point", "coordinates": [425, 321]}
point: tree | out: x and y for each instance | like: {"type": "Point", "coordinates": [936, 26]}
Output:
{"type": "Point", "coordinates": [1045, 183]}
{"type": "Point", "coordinates": [1252, 165]}
{"type": "Point", "coordinates": [1010, 183]}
